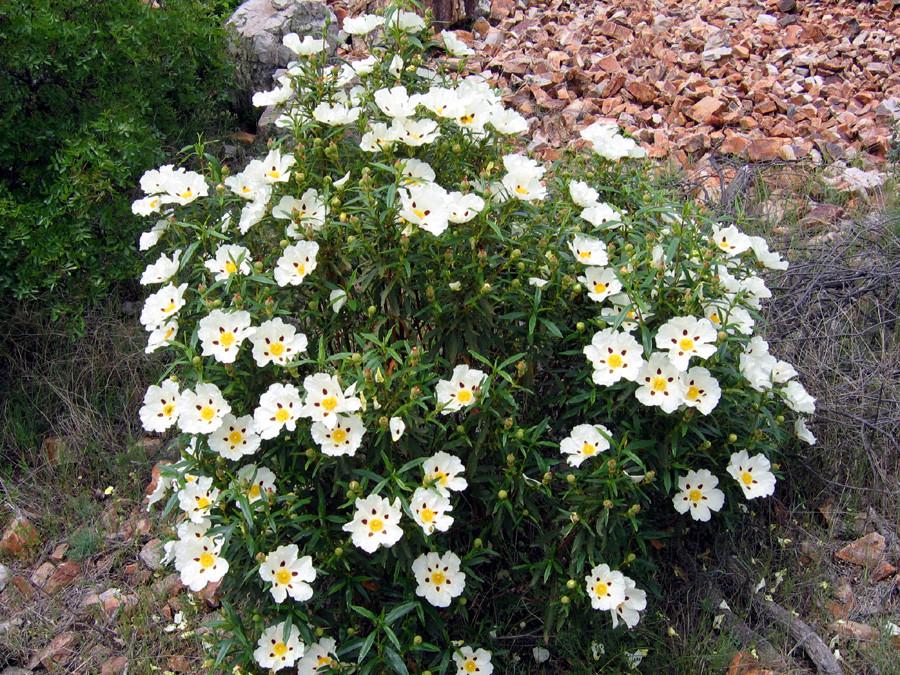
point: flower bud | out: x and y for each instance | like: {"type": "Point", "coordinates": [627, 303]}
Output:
{"type": "Point", "coordinates": [383, 422]}
{"type": "Point", "coordinates": [371, 311]}
{"type": "Point", "coordinates": [510, 459]}
{"type": "Point", "coordinates": [463, 601]}
{"type": "Point", "coordinates": [415, 393]}
{"type": "Point", "coordinates": [502, 494]}
{"type": "Point", "coordinates": [417, 640]}
{"type": "Point", "coordinates": [547, 478]}
{"type": "Point", "coordinates": [564, 600]}
{"type": "Point", "coordinates": [477, 543]}
{"type": "Point", "coordinates": [338, 552]}
{"type": "Point", "coordinates": [722, 335]}
{"type": "Point", "coordinates": [508, 423]}
{"type": "Point", "coordinates": [260, 557]}
{"type": "Point", "coordinates": [574, 517]}
{"type": "Point", "coordinates": [284, 243]}
{"type": "Point", "coordinates": [521, 368]}
{"type": "Point", "coordinates": [570, 478]}
{"type": "Point", "coordinates": [335, 202]}
{"type": "Point", "coordinates": [780, 419]}
{"type": "Point", "coordinates": [580, 326]}
{"type": "Point", "coordinates": [520, 434]}
{"type": "Point", "coordinates": [630, 558]}
{"type": "Point", "coordinates": [515, 254]}
{"type": "Point", "coordinates": [571, 583]}
{"type": "Point", "coordinates": [196, 361]}
{"type": "Point", "coordinates": [732, 438]}
{"type": "Point", "coordinates": [634, 510]}
{"type": "Point", "coordinates": [607, 504]}
{"type": "Point", "coordinates": [310, 453]}
{"type": "Point", "coordinates": [320, 632]}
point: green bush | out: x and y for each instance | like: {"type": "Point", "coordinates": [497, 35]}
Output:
{"type": "Point", "coordinates": [91, 94]}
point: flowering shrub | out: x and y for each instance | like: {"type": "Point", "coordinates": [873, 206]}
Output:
{"type": "Point", "coordinates": [429, 388]}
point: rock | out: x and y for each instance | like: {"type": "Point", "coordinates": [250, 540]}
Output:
{"type": "Point", "coordinates": [822, 214]}
{"type": "Point", "coordinates": [110, 601]}
{"type": "Point", "coordinates": [152, 553]}
{"type": "Point", "coordinates": [42, 574]}
{"type": "Point", "coordinates": [882, 571]}
{"type": "Point", "coordinates": [500, 9]}
{"type": "Point", "coordinates": [643, 92]}
{"type": "Point", "coordinates": [256, 29]}
{"type": "Point", "coordinates": [13, 670]}
{"type": "Point", "coordinates": [53, 448]}
{"type": "Point", "coordinates": [115, 666]}
{"type": "Point", "coordinates": [853, 630]}
{"type": "Point", "coordinates": [734, 145]}
{"type": "Point", "coordinates": [787, 5]}
{"type": "Point", "coordinates": [481, 26]}
{"type": "Point", "coordinates": [57, 653]}
{"type": "Point", "coordinates": [704, 110]}
{"type": "Point", "coordinates": [210, 593]}
{"type": "Point", "coordinates": [59, 552]}
{"type": "Point", "coordinates": [764, 149]}
{"type": "Point", "coordinates": [62, 576]}
{"type": "Point", "coordinates": [18, 537]}
{"type": "Point", "coordinates": [867, 551]}
{"type": "Point", "coordinates": [178, 664]}
{"type": "Point", "coordinates": [168, 586]}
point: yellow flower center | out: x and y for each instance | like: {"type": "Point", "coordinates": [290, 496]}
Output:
{"type": "Point", "coordinates": [282, 415]}
{"type": "Point", "coordinates": [746, 478]}
{"type": "Point", "coordinates": [419, 213]}
{"type": "Point", "coordinates": [168, 309]}
{"type": "Point", "coordinates": [227, 338]}
{"type": "Point", "coordinates": [686, 344]}
{"type": "Point", "coordinates": [202, 502]}
{"type": "Point", "coordinates": [714, 317]}
{"type": "Point", "coordinates": [614, 361]}
{"type": "Point", "coordinates": [588, 449]}
{"type": "Point", "coordinates": [324, 661]}
{"type": "Point", "coordinates": [329, 403]}
{"type": "Point", "coordinates": [437, 578]}
{"type": "Point", "coordinates": [207, 560]}
{"type": "Point", "coordinates": [230, 267]}
{"type": "Point", "coordinates": [440, 477]}
{"type": "Point", "coordinates": [658, 384]}
{"type": "Point", "coordinates": [427, 515]}
{"type": "Point", "coordinates": [279, 649]}
{"type": "Point", "coordinates": [283, 577]}
{"type": "Point", "coordinates": [467, 119]}
{"type": "Point", "coordinates": [464, 396]}
{"type": "Point", "coordinates": [376, 525]}
{"type": "Point", "coordinates": [169, 333]}
{"type": "Point", "coordinates": [168, 409]}
{"type": "Point", "coordinates": [187, 194]}
{"type": "Point", "coordinates": [521, 190]}
{"type": "Point", "coordinates": [246, 189]}
{"type": "Point", "coordinates": [471, 666]}
{"type": "Point", "coordinates": [235, 437]}
{"type": "Point", "coordinates": [695, 495]}
{"type": "Point", "coordinates": [300, 268]}
{"type": "Point", "coordinates": [207, 413]}
{"type": "Point", "coordinates": [692, 393]}
{"type": "Point", "coordinates": [273, 173]}
{"type": "Point", "coordinates": [254, 491]}
{"type": "Point", "coordinates": [601, 588]}
{"type": "Point", "coordinates": [338, 435]}
{"type": "Point", "coordinates": [599, 287]}
{"type": "Point", "coordinates": [584, 255]}
{"type": "Point", "coordinates": [276, 349]}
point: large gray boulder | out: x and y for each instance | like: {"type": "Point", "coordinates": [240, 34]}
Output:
{"type": "Point", "coordinates": [257, 28]}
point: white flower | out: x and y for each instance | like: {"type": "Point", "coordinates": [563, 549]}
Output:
{"type": "Point", "coordinates": [161, 336]}
{"type": "Point", "coordinates": [336, 114]}
{"type": "Point", "coordinates": [325, 399]}
{"type": "Point", "coordinates": [600, 283]}
{"type": "Point", "coordinates": [155, 181]}
{"type": "Point", "coordinates": [701, 390]}
{"type": "Point", "coordinates": [629, 610]}
{"type": "Point", "coordinates": [229, 259]}
{"type": "Point", "coordinates": [425, 205]}
{"type": "Point", "coordinates": [408, 22]}
{"type": "Point", "coordinates": [455, 46]}
{"type": "Point", "coordinates": [362, 67]}
{"type": "Point", "coordinates": [588, 250]}
{"type": "Point", "coordinates": [438, 577]}
{"type": "Point", "coordinates": [279, 408]}
{"type": "Point", "coordinates": [317, 658]}
{"type": "Point", "coordinates": [197, 497]}
{"type": "Point", "coordinates": [523, 178]}
{"type": "Point", "coordinates": [277, 648]}
{"type": "Point", "coordinates": [625, 313]}
{"type": "Point", "coordinates": [507, 121]}
{"type": "Point", "coordinates": [288, 574]}
{"type": "Point", "coordinates": [753, 474]}
{"type": "Point", "coordinates": [146, 206]}
{"type": "Point", "coordinates": [798, 399]}
{"type": "Point", "coordinates": [441, 101]}
{"type": "Point", "coordinates": [470, 661]}
{"type": "Point", "coordinates": [415, 172]}
{"type": "Point", "coordinates": [395, 67]}
{"type": "Point", "coordinates": [472, 113]}
{"type": "Point", "coordinates": [160, 408]}
{"type": "Point", "coordinates": [803, 432]}
{"type": "Point", "coordinates": [605, 587]}
{"type": "Point", "coordinates": [201, 411]}
{"type": "Point", "coordinates": [254, 212]}
{"type": "Point", "coordinates": [431, 510]}
{"type": "Point", "coordinates": [305, 47]}
{"type": "Point", "coordinates": [755, 291]}
{"type": "Point", "coordinates": [731, 240]}
{"type": "Point", "coordinates": [337, 299]}
{"type": "Point", "coordinates": [199, 561]}
{"type": "Point", "coordinates": [583, 195]}
{"type": "Point", "coordinates": [756, 364]}
{"type": "Point", "coordinates": [277, 342]}
{"type": "Point", "coordinates": [344, 439]}
{"type": "Point", "coordinates": [460, 390]}
{"type": "Point", "coordinates": [397, 427]}
{"type": "Point", "coordinates": [686, 336]}
{"type": "Point", "coordinates": [660, 384]}
{"type": "Point", "coordinates": [162, 306]}
{"type": "Point", "coordinates": [607, 142]}
{"type": "Point", "coordinates": [783, 372]}
{"type": "Point", "coordinates": [375, 523]}
{"type": "Point", "coordinates": [379, 137]}
{"type": "Point", "coordinates": [699, 494]}
{"type": "Point", "coordinates": [615, 355]}
{"type": "Point", "coordinates": [259, 481]}
{"type": "Point", "coordinates": [395, 102]}
{"type": "Point", "coordinates": [537, 282]}
{"type": "Point", "coordinates": [222, 333]}
{"type": "Point", "coordinates": [280, 94]}
{"type": "Point", "coordinates": [276, 168]}
{"type": "Point", "coordinates": [295, 263]}
{"type": "Point", "coordinates": [442, 471]}
{"type": "Point", "coordinates": [308, 211]}
{"type": "Point", "coordinates": [162, 270]}
{"type": "Point", "coordinates": [415, 133]}
{"type": "Point", "coordinates": [151, 238]}
{"type": "Point", "coordinates": [601, 214]}
{"type": "Point", "coordinates": [767, 258]}
{"type": "Point", "coordinates": [183, 187]}
{"type": "Point", "coordinates": [362, 24]}
{"type": "Point", "coordinates": [186, 531]}
{"type": "Point", "coordinates": [251, 182]}
{"type": "Point", "coordinates": [236, 437]}
{"type": "Point", "coordinates": [585, 441]}
{"type": "Point", "coordinates": [734, 319]}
